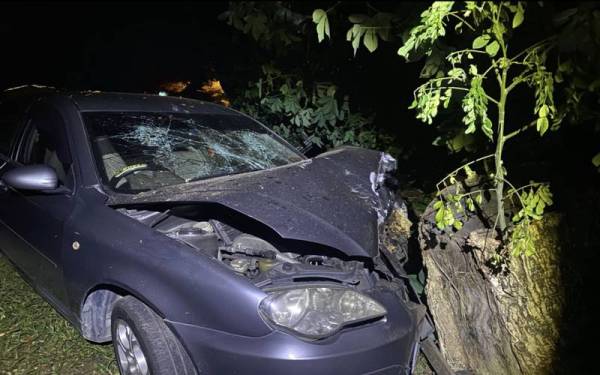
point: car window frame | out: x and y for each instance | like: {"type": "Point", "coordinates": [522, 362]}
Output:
{"type": "Point", "coordinates": [10, 155]}
{"type": "Point", "coordinates": [24, 140]}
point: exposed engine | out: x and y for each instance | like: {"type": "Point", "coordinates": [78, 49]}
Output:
{"type": "Point", "coordinates": [254, 257]}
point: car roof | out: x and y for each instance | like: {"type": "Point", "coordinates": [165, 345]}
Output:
{"type": "Point", "coordinates": [98, 101]}
{"type": "Point", "coordinates": [95, 101]}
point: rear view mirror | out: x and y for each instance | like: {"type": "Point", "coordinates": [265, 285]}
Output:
{"type": "Point", "coordinates": [31, 177]}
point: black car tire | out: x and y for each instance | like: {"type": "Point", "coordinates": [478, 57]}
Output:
{"type": "Point", "coordinates": [163, 352]}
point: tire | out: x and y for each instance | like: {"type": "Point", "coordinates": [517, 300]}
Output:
{"type": "Point", "coordinates": [143, 343]}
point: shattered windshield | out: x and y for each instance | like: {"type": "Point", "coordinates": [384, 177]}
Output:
{"type": "Point", "coordinates": [143, 151]}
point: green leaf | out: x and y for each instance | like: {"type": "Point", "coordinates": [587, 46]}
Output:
{"type": "Point", "coordinates": [492, 48]}
{"type": "Point", "coordinates": [519, 17]}
{"type": "Point", "coordinates": [439, 215]}
{"type": "Point", "coordinates": [481, 41]}
{"type": "Point", "coordinates": [596, 160]}
{"type": "Point", "coordinates": [470, 204]}
{"type": "Point", "coordinates": [542, 125]}
{"type": "Point", "coordinates": [487, 128]}
{"type": "Point", "coordinates": [370, 40]}
{"type": "Point", "coordinates": [458, 224]}
{"type": "Point", "coordinates": [350, 34]}
{"type": "Point", "coordinates": [479, 198]}
{"type": "Point", "coordinates": [319, 17]}
{"type": "Point", "coordinates": [471, 128]}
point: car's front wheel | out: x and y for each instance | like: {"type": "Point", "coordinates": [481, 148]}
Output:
{"type": "Point", "coordinates": [144, 344]}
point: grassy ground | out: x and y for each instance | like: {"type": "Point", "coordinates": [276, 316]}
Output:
{"type": "Point", "coordinates": [35, 339]}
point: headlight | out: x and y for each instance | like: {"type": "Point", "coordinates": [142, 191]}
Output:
{"type": "Point", "coordinates": [319, 312]}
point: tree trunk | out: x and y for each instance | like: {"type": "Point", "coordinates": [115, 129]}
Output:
{"type": "Point", "coordinates": [493, 321]}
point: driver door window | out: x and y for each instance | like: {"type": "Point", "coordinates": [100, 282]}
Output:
{"type": "Point", "coordinates": [46, 143]}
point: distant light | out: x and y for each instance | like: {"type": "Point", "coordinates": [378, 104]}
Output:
{"type": "Point", "coordinates": [162, 93]}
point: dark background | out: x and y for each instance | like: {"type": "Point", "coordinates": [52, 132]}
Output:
{"type": "Point", "coordinates": [133, 47]}
{"type": "Point", "coordinates": [120, 46]}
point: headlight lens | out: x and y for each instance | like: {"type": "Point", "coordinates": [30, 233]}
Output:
{"type": "Point", "coordinates": [319, 312]}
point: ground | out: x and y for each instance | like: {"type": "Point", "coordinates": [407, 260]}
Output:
{"type": "Point", "coordinates": [35, 339]}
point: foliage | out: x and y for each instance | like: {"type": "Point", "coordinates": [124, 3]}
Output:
{"type": "Point", "coordinates": [475, 72]}
{"type": "Point", "coordinates": [319, 17]}
{"type": "Point", "coordinates": [479, 79]}
{"type": "Point", "coordinates": [365, 28]}
{"type": "Point", "coordinates": [270, 23]}
{"type": "Point", "coordinates": [302, 112]}
{"type": "Point", "coordinates": [298, 100]}
{"type": "Point", "coordinates": [533, 202]}
{"type": "Point", "coordinates": [578, 44]}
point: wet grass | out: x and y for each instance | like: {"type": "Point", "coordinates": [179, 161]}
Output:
{"type": "Point", "coordinates": [35, 339]}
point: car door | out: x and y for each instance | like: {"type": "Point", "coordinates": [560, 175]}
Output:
{"type": "Point", "coordinates": [34, 221]}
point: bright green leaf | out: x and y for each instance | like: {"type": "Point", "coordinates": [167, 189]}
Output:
{"type": "Point", "coordinates": [542, 125]}
{"type": "Point", "coordinates": [492, 48]}
{"type": "Point", "coordinates": [518, 18]}
{"type": "Point", "coordinates": [319, 17]}
{"type": "Point", "coordinates": [487, 128]}
{"type": "Point", "coordinates": [439, 215]}
{"type": "Point", "coordinates": [481, 41]}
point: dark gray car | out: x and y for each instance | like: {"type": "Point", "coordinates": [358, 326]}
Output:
{"type": "Point", "coordinates": [198, 241]}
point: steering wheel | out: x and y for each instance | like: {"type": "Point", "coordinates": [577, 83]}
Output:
{"type": "Point", "coordinates": [131, 169]}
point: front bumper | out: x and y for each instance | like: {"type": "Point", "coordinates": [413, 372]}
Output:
{"type": "Point", "coordinates": [382, 347]}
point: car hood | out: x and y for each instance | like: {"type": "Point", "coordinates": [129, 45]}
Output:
{"type": "Point", "coordinates": [336, 199]}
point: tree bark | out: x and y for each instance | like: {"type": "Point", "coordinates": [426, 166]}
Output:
{"type": "Point", "coordinates": [493, 321]}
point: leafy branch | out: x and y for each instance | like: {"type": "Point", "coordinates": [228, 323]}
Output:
{"type": "Point", "coordinates": [492, 24]}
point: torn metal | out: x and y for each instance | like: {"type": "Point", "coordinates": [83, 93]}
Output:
{"type": "Point", "coordinates": [331, 200]}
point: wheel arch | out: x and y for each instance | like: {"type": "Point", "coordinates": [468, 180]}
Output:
{"type": "Point", "coordinates": [96, 310]}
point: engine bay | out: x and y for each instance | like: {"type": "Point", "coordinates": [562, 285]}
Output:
{"type": "Point", "coordinates": [255, 258]}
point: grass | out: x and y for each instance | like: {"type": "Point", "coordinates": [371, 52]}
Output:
{"type": "Point", "coordinates": [35, 339]}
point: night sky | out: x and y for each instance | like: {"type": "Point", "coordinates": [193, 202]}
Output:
{"type": "Point", "coordinates": [113, 46]}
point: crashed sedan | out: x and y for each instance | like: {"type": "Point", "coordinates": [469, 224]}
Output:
{"type": "Point", "coordinates": [198, 241]}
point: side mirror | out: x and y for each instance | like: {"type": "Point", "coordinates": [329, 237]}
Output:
{"type": "Point", "coordinates": [31, 177]}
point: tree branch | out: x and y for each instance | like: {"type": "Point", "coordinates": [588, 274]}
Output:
{"type": "Point", "coordinates": [510, 135]}
{"type": "Point", "coordinates": [531, 47]}
{"type": "Point", "coordinates": [461, 167]}
{"type": "Point", "coordinates": [462, 20]}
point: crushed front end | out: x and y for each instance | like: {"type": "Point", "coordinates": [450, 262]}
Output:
{"type": "Point", "coordinates": [328, 310]}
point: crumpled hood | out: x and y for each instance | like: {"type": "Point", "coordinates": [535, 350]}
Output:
{"type": "Point", "coordinates": [335, 199]}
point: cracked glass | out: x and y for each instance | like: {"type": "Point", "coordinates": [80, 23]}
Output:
{"type": "Point", "coordinates": [136, 152]}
